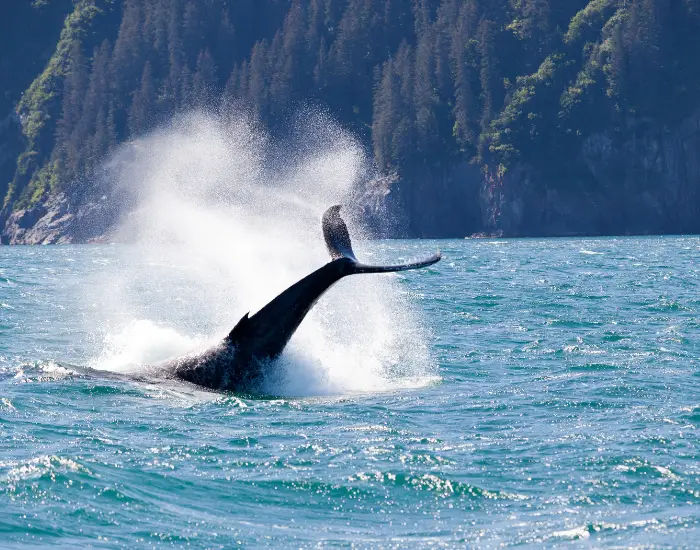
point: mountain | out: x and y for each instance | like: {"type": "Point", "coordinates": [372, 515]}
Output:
{"type": "Point", "coordinates": [512, 117]}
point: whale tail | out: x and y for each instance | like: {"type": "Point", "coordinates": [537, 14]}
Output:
{"type": "Point", "coordinates": [264, 334]}
{"type": "Point", "coordinates": [238, 364]}
{"type": "Point", "coordinates": [337, 238]}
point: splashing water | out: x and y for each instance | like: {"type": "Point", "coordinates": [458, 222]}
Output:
{"type": "Point", "coordinates": [223, 220]}
{"type": "Point", "coordinates": [568, 407]}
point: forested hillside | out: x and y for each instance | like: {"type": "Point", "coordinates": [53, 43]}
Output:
{"type": "Point", "coordinates": [520, 117]}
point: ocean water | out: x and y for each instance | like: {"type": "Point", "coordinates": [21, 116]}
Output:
{"type": "Point", "coordinates": [526, 392]}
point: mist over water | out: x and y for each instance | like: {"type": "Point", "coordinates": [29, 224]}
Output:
{"type": "Point", "coordinates": [223, 219]}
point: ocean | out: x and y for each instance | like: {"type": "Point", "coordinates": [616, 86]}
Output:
{"type": "Point", "coordinates": [521, 392]}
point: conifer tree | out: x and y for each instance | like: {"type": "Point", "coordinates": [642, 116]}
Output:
{"type": "Point", "coordinates": [69, 141]}
{"type": "Point", "coordinates": [490, 74]}
{"type": "Point", "coordinates": [258, 80]}
{"type": "Point", "coordinates": [204, 81]}
{"type": "Point", "coordinates": [141, 115]}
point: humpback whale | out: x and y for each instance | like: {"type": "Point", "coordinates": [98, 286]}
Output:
{"type": "Point", "coordinates": [236, 364]}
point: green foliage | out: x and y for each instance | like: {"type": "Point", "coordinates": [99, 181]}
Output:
{"type": "Point", "coordinates": [574, 95]}
{"type": "Point", "coordinates": [618, 61]}
{"type": "Point", "coordinates": [40, 103]}
{"type": "Point", "coordinates": [524, 121]}
{"type": "Point", "coordinates": [427, 84]}
{"type": "Point", "coordinates": [34, 108]}
{"type": "Point", "coordinates": [588, 22]}
{"type": "Point", "coordinates": [42, 183]}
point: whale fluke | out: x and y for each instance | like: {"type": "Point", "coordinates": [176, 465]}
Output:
{"type": "Point", "coordinates": [336, 235]}
{"type": "Point", "coordinates": [363, 268]}
{"type": "Point", "coordinates": [337, 238]}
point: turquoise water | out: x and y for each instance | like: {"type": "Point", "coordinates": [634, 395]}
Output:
{"type": "Point", "coordinates": [560, 402]}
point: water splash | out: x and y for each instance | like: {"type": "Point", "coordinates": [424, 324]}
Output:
{"type": "Point", "coordinates": [224, 219]}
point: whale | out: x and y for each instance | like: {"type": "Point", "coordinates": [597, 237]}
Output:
{"type": "Point", "coordinates": [238, 362]}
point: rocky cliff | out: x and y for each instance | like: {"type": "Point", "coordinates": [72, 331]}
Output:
{"type": "Point", "coordinates": [644, 180]}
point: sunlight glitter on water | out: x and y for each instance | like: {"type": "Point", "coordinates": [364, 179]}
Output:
{"type": "Point", "coordinates": [533, 433]}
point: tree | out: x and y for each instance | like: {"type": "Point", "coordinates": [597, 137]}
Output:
{"type": "Point", "coordinates": [204, 82]}
{"type": "Point", "coordinates": [69, 140]}
{"type": "Point", "coordinates": [141, 115]}
{"type": "Point", "coordinates": [490, 72]}
{"type": "Point", "coordinates": [425, 100]}
{"type": "Point", "coordinates": [257, 82]}
{"type": "Point", "coordinates": [464, 56]}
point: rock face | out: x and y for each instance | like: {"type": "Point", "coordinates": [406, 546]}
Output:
{"type": "Point", "coordinates": [645, 182]}
{"type": "Point", "coordinates": [57, 221]}
{"type": "Point", "coordinates": [442, 201]}
{"type": "Point", "coordinates": [438, 201]}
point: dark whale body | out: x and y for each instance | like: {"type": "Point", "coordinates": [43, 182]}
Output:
{"type": "Point", "coordinates": [236, 363]}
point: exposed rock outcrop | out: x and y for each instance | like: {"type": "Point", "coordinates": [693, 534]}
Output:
{"type": "Point", "coordinates": [57, 220]}
{"type": "Point", "coordinates": [438, 201]}
{"type": "Point", "coordinates": [643, 181]}
{"type": "Point", "coordinates": [646, 182]}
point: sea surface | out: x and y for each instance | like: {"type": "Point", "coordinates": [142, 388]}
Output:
{"type": "Point", "coordinates": [559, 403]}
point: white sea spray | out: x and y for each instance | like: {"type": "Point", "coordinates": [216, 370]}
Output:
{"type": "Point", "coordinates": [224, 219]}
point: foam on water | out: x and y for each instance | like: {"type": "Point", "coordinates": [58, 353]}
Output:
{"type": "Point", "coordinates": [224, 219]}
{"type": "Point", "coordinates": [529, 440]}
{"type": "Point", "coordinates": [141, 342]}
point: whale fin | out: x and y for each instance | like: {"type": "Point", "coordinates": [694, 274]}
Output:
{"type": "Point", "coordinates": [337, 238]}
{"type": "Point", "coordinates": [336, 235]}
{"type": "Point", "coordinates": [363, 268]}
{"type": "Point", "coordinates": [239, 329]}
